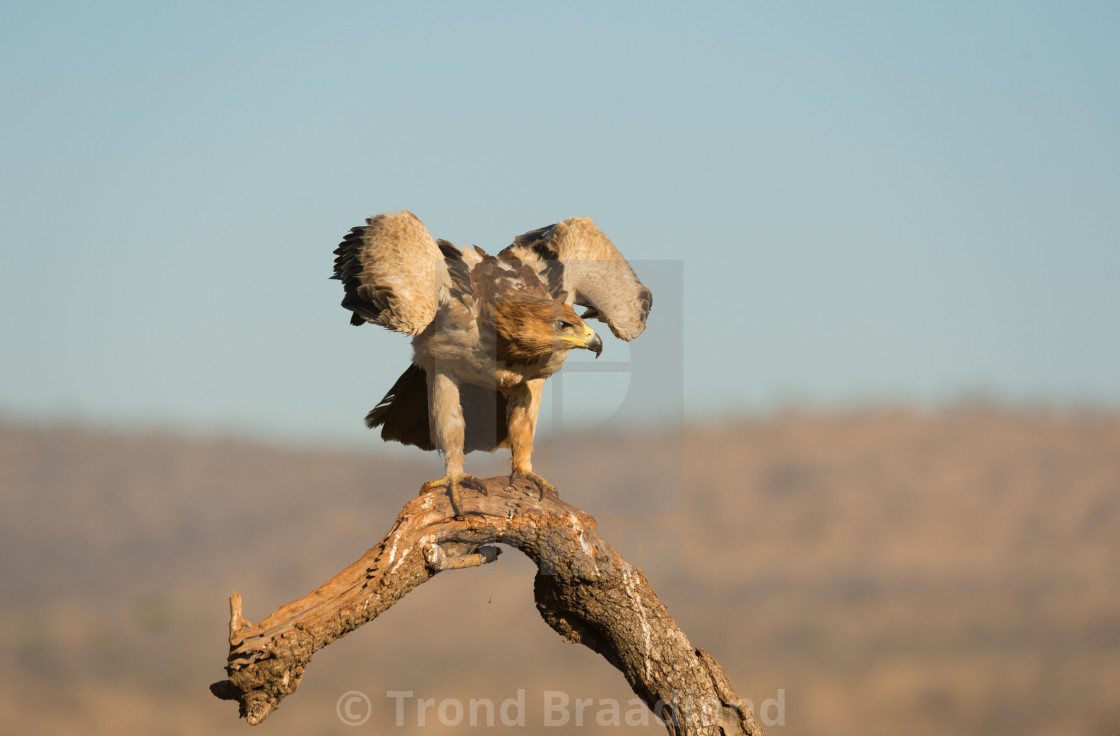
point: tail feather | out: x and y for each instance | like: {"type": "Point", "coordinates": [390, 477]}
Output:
{"type": "Point", "coordinates": [403, 414]}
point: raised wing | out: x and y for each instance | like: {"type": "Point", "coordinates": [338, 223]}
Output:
{"type": "Point", "coordinates": [581, 265]}
{"type": "Point", "coordinates": [393, 272]}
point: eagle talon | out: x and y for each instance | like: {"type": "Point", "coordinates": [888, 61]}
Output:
{"type": "Point", "coordinates": [473, 481]}
{"type": "Point", "coordinates": [451, 483]}
{"type": "Point", "coordinates": [542, 485]}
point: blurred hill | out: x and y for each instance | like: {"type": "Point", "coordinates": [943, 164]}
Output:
{"type": "Point", "coordinates": [875, 572]}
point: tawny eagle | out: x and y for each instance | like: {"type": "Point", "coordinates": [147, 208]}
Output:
{"type": "Point", "coordinates": [487, 330]}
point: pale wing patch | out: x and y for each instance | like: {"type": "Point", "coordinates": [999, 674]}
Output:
{"type": "Point", "coordinates": [393, 273]}
{"type": "Point", "coordinates": [581, 265]}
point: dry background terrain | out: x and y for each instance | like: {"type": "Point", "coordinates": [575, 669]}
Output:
{"type": "Point", "coordinates": [888, 572]}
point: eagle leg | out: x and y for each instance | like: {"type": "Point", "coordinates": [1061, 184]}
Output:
{"type": "Point", "coordinates": [523, 405]}
{"type": "Point", "coordinates": [542, 485]}
{"type": "Point", "coordinates": [451, 483]}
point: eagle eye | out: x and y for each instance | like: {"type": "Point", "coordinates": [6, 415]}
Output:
{"type": "Point", "coordinates": [562, 325]}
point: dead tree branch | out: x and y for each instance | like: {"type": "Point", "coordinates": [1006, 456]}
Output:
{"type": "Point", "coordinates": [583, 589]}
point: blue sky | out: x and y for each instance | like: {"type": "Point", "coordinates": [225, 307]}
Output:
{"type": "Point", "coordinates": [856, 203]}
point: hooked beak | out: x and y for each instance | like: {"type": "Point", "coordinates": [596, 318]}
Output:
{"type": "Point", "coordinates": [589, 341]}
{"type": "Point", "coordinates": [595, 344]}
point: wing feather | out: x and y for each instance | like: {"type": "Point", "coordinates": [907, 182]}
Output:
{"type": "Point", "coordinates": [581, 265]}
{"type": "Point", "coordinates": [393, 272]}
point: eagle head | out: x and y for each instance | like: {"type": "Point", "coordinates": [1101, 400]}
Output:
{"type": "Point", "coordinates": [531, 329]}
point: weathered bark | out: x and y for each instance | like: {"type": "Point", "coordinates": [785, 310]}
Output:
{"type": "Point", "coordinates": [583, 589]}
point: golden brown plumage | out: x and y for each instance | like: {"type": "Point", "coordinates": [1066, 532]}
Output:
{"type": "Point", "coordinates": [488, 331]}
